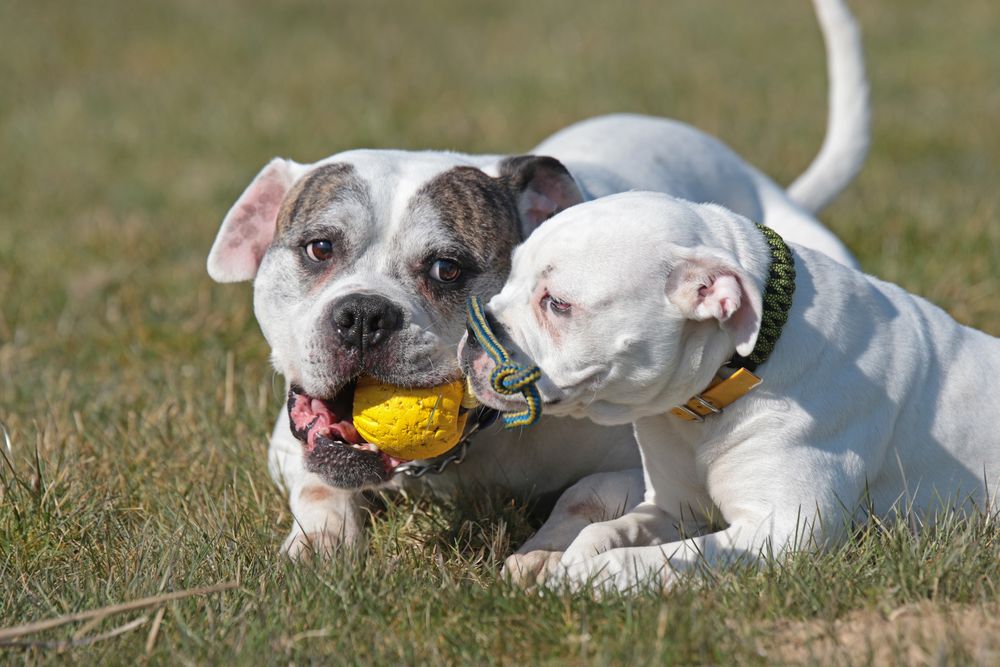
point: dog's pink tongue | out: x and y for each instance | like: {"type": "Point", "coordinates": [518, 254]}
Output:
{"type": "Point", "coordinates": [391, 462]}
{"type": "Point", "coordinates": [313, 413]}
{"type": "Point", "coordinates": [344, 430]}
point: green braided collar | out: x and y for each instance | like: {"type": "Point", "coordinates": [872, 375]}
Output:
{"type": "Point", "coordinates": [777, 301]}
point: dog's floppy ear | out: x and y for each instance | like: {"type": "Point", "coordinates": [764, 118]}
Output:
{"type": "Point", "coordinates": [543, 187]}
{"type": "Point", "coordinates": [248, 228]}
{"type": "Point", "coordinates": [706, 283]}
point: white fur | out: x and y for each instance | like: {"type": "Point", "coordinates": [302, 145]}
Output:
{"type": "Point", "coordinates": [872, 398]}
{"type": "Point", "coordinates": [605, 155]}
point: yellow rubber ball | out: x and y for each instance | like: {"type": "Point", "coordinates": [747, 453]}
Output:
{"type": "Point", "coordinates": [410, 423]}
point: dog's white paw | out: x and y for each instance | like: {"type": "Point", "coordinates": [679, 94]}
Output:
{"type": "Point", "coordinates": [620, 570]}
{"type": "Point", "coordinates": [593, 540]}
{"type": "Point", "coordinates": [326, 519]}
{"type": "Point", "coordinates": [300, 546]}
{"type": "Point", "coordinates": [530, 569]}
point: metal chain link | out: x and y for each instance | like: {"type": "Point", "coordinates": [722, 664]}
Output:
{"type": "Point", "coordinates": [455, 455]}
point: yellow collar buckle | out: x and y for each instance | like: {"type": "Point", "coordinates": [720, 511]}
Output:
{"type": "Point", "coordinates": [720, 394]}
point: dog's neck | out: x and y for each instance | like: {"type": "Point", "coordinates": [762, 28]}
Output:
{"type": "Point", "coordinates": [736, 377]}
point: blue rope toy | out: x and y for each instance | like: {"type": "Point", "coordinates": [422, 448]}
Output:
{"type": "Point", "coordinates": [509, 377]}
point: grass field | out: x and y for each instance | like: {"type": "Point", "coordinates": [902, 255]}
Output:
{"type": "Point", "coordinates": [128, 128]}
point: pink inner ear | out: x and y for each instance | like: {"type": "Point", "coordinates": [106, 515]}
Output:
{"type": "Point", "coordinates": [249, 227]}
{"type": "Point", "coordinates": [720, 298]}
{"type": "Point", "coordinates": [550, 190]}
{"type": "Point", "coordinates": [744, 323]}
{"type": "Point", "coordinates": [536, 208]}
{"type": "Point", "coordinates": [705, 289]}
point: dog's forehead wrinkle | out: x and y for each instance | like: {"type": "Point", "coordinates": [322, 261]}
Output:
{"type": "Point", "coordinates": [395, 176]}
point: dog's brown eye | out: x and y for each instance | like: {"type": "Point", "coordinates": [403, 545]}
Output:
{"type": "Point", "coordinates": [319, 250]}
{"type": "Point", "coordinates": [446, 271]}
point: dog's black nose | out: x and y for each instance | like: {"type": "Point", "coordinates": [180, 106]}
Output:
{"type": "Point", "coordinates": [365, 320]}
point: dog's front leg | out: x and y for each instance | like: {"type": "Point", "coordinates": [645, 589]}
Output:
{"type": "Point", "coordinates": [595, 498]}
{"type": "Point", "coordinates": [745, 541]}
{"type": "Point", "coordinates": [323, 516]}
{"type": "Point", "coordinates": [645, 525]}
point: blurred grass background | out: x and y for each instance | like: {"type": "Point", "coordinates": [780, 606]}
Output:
{"type": "Point", "coordinates": [128, 128]}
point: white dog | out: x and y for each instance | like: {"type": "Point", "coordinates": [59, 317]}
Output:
{"type": "Point", "coordinates": [362, 262]}
{"type": "Point", "coordinates": [635, 304]}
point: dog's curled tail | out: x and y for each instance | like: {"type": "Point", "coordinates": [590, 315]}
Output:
{"type": "Point", "coordinates": [848, 132]}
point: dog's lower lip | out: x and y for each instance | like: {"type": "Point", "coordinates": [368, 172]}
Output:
{"type": "Point", "coordinates": [333, 447]}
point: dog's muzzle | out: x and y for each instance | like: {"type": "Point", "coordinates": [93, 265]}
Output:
{"type": "Point", "coordinates": [509, 377]}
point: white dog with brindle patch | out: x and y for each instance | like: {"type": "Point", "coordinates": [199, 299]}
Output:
{"type": "Point", "coordinates": [632, 305]}
{"type": "Point", "coordinates": [362, 262]}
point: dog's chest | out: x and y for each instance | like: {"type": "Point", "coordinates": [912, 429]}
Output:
{"type": "Point", "coordinates": [673, 461]}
